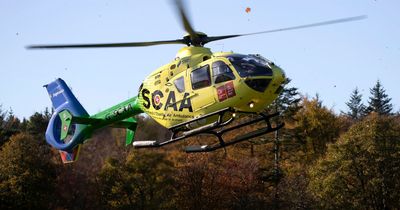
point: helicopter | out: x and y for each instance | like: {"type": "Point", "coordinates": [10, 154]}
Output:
{"type": "Point", "coordinates": [199, 92]}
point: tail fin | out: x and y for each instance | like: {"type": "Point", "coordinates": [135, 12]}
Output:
{"type": "Point", "coordinates": [61, 132]}
{"type": "Point", "coordinates": [69, 157]}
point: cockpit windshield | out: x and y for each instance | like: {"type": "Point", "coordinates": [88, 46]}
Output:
{"type": "Point", "coordinates": [250, 65]}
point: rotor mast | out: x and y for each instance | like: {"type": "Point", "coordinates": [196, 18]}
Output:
{"type": "Point", "coordinates": [193, 50]}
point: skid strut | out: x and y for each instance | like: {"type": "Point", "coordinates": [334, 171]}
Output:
{"type": "Point", "coordinates": [216, 129]}
{"type": "Point", "coordinates": [222, 143]}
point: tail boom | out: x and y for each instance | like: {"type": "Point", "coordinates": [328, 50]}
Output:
{"type": "Point", "coordinates": [70, 124]}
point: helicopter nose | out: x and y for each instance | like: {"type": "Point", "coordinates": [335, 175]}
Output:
{"type": "Point", "coordinates": [279, 74]}
{"type": "Point", "coordinates": [279, 79]}
{"type": "Point", "coordinates": [268, 85]}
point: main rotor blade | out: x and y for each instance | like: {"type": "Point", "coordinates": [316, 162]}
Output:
{"type": "Point", "coordinates": [126, 44]}
{"type": "Point", "coordinates": [185, 21]}
{"type": "Point", "coordinates": [329, 22]}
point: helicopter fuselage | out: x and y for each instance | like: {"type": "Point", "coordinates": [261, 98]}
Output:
{"type": "Point", "coordinates": [198, 82]}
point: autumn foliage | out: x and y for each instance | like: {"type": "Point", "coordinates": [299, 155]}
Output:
{"type": "Point", "coordinates": [321, 160]}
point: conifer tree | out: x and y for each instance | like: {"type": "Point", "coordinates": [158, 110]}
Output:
{"type": "Point", "coordinates": [9, 125]}
{"type": "Point", "coordinates": [288, 102]}
{"type": "Point", "coordinates": [379, 101]}
{"type": "Point", "coordinates": [356, 107]}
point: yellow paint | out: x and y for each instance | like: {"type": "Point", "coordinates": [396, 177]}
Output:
{"type": "Point", "coordinates": [204, 100]}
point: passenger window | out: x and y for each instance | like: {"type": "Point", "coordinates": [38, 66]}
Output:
{"type": "Point", "coordinates": [221, 72]}
{"type": "Point", "coordinates": [201, 77]}
{"type": "Point", "coordinates": [180, 84]}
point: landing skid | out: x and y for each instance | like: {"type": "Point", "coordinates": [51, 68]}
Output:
{"type": "Point", "coordinates": [216, 129]}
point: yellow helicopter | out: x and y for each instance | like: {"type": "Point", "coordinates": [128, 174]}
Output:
{"type": "Point", "coordinates": [199, 92]}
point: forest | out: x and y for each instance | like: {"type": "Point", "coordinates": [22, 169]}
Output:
{"type": "Point", "coordinates": [320, 160]}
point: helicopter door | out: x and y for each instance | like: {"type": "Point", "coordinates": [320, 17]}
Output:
{"type": "Point", "coordinates": [221, 72]}
{"type": "Point", "coordinates": [202, 91]}
{"type": "Point", "coordinates": [222, 76]}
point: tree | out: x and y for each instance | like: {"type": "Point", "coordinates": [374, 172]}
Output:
{"type": "Point", "coordinates": [356, 107]}
{"type": "Point", "coordinates": [143, 181]}
{"type": "Point", "coordinates": [287, 102]}
{"type": "Point", "coordinates": [37, 123]}
{"type": "Point", "coordinates": [9, 125]}
{"type": "Point", "coordinates": [379, 101]}
{"type": "Point", "coordinates": [210, 182]}
{"type": "Point", "coordinates": [361, 170]}
{"type": "Point", "coordinates": [293, 193]}
{"type": "Point", "coordinates": [27, 175]}
{"type": "Point", "coordinates": [316, 126]}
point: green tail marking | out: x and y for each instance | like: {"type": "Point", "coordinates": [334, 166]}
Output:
{"type": "Point", "coordinates": [66, 119]}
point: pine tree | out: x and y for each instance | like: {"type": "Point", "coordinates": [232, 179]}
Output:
{"type": "Point", "coordinates": [9, 125]}
{"type": "Point", "coordinates": [356, 107]}
{"type": "Point", "coordinates": [288, 102]}
{"type": "Point", "coordinates": [379, 101]}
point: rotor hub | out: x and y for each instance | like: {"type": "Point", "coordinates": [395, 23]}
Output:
{"type": "Point", "coordinates": [197, 40]}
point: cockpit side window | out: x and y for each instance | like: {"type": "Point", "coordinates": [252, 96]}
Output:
{"type": "Point", "coordinates": [201, 77]}
{"type": "Point", "coordinates": [221, 72]}
{"type": "Point", "coordinates": [180, 84]}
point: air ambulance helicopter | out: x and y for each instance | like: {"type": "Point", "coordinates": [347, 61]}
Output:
{"type": "Point", "coordinates": [199, 92]}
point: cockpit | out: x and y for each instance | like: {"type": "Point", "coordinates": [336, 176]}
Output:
{"type": "Point", "coordinates": [256, 71]}
{"type": "Point", "coordinates": [250, 65]}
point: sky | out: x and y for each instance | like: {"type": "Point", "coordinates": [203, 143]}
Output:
{"type": "Point", "coordinates": [330, 60]}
